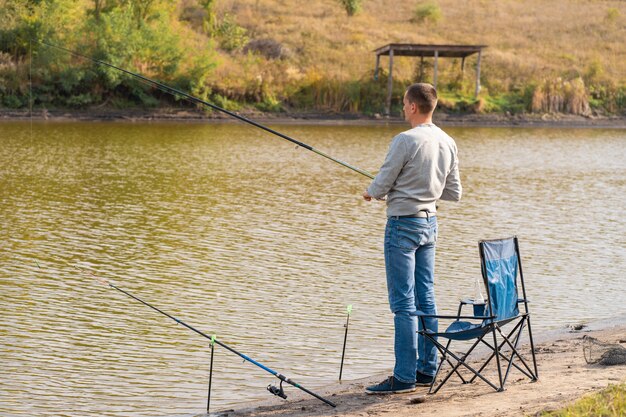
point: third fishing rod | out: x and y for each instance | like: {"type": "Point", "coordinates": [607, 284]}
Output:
{"type": "Point", "coordinates": [193, 99]}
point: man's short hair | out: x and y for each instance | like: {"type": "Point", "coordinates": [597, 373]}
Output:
{"type": "Point", "coordinates": [423, 95]}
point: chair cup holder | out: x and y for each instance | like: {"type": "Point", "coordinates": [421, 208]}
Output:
{"type": "Point", "coordinates": [480, 309]}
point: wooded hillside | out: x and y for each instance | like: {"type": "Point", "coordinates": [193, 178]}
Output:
{"type": "Point", "coordinates": [275, 55]}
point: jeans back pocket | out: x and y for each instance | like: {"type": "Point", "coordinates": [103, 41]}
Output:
{"type": "Point", "coordinates": [410, 237]}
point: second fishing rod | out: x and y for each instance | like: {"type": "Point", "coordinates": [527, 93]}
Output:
{"type": "Point", "coordinates": [278, 391]}
{"type": "Point", "coordinates": [193, 99]}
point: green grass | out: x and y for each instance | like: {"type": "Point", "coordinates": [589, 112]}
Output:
{"type": "Point", "coordinates": [516, 102]}
{"type": "Point", "coordinates": [610, 402]}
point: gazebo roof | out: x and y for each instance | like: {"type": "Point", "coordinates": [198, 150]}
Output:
{"type": "Point", "coordinates": [445, 51]}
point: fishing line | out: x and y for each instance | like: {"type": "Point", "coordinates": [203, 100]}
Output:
{"type": "Point", "coordinates": [197, 100]}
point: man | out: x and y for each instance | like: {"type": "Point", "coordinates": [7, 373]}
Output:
{"type": "Point", "coordinates": [421, 167]}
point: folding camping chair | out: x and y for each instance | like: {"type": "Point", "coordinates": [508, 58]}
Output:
{"type": "Point", "coordinates": [501, 267]}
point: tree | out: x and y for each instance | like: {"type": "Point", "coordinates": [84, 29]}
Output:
{"type": "Point", "coordinates": [141, 10]}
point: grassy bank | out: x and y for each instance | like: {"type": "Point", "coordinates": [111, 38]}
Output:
{"type": "Point", "coordinates": [563, 56]}
{"type": "Point", "coordinates": [610, 402]}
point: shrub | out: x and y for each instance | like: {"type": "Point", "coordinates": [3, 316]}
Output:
{"type": "Point", "coordinates": [612, 15]}
{"type": "Point", "coordinates": [225, 103]}
{"type": "Point", "coordinates": [79, 101]}
{"type": "Point", "coordinates": [594, 71]}
{"type": "Point", "coordinates": [351, 6]}
{"type": "Point", "coordinates": [427, 12]}
{"type": "Point", "coordinates": [269, 104]}
{"type": "Point", "coordinates": [12, 101]}
{"type": "Point", "coordinates": [231, 36]}
{"type": "Point", "coordinates": [366, 95]}
{"type": "Point", "coordinates": [558, 96]}
{"type": "Point", "coordinates": [269, 48]}
{"type": "Point", "coordinates": [195, 79]}
{"type": "Point", "coordinates": [607, 96]}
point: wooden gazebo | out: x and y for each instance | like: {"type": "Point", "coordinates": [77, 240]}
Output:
{"type": "Point", "coordinates": [436, 51]}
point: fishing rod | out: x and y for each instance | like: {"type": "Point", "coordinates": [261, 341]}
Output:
{"type": "Point", "coordinates": [278, 391]}
{"type": "Point", "coordinates": [345, 339]}
{"type": "Point", "coordinates": [194, 99]}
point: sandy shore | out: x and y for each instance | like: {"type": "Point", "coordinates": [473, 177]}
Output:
{"type": "Point", "coordinates": [441, 118]}
{"type": "Point", "coordinates": [564, 376]}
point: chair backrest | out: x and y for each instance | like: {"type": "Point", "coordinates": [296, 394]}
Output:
{"type": "Point", "coordinates": [499, 265]}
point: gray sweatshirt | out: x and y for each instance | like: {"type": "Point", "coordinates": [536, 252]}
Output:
{"type": "Point", "coordinates": [421, 167]}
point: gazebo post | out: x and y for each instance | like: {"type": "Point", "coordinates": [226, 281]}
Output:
{"type": "Point", "coordinates": [462, 68]}
{"type": "Point", "coordinates": [377, 65]}
{"type": "Point", "coordinates": [435, 71]}
{"type": "Point", "coordinates": [389, 83]}
{"type": "Point", "coordinates": [478, 74]}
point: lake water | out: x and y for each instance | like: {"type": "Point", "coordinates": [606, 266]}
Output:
{"type": "Point", "coordinates": [245, 236]}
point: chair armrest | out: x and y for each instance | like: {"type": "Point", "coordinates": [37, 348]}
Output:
{"type": "Point", "coordinates": [471, 301]}
{"type": "Point", "coordinates": [479, 308]}
{"type": "Point", "coordinates": [418, 314]}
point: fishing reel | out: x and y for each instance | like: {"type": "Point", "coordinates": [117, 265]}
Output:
{"type": "Point", "coordinates": [278, 391]}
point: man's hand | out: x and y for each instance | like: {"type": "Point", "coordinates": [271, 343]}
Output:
{"type": "Point", "coordinates": [367, 196]}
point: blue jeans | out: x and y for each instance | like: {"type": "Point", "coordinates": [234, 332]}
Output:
{"type": "Point", "coordinates": [410, 266]}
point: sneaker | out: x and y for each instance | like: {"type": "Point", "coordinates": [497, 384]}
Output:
{"type": "Point", "coordinates": [390, 386]}
{"type": "Point", "coordinates": [423, 380]}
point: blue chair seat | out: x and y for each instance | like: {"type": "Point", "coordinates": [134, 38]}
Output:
{"type": "Point", "coordinates": [464, 330]}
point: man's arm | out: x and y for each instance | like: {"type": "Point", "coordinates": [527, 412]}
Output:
{"type": "Point", "coordinates": [453, 189]}
{"type": "Point", "coordinates": [386, 177]}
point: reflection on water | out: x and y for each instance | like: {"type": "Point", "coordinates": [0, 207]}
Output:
{"type": "Point", "coordinates": [242, 235]}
